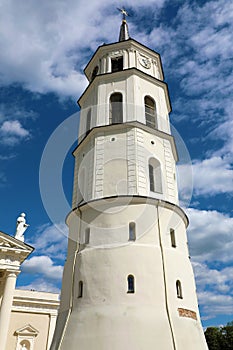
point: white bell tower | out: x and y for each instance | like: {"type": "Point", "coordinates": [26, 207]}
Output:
{"type": "Point", "coordinates": [128, 282]}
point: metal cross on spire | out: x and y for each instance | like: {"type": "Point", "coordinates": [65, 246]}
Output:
{"type": "Point", "coordinates": [123, 12]}
{"type": "Point", "coordinates": [124, 31]}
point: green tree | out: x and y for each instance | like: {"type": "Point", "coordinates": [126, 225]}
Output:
{"type": "Point", "coordinates": [220, 338]}
{"type": "Point", "coordinates": [227, 337]}
{"type": "Point", "coordinates": [213, 338]}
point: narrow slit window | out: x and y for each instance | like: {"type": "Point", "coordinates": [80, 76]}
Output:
{"type": "Point", "coordinates": [151, 176]}
{"type": "Point", "coordinates": [80, 289]}
{"type": "Point", "coordinates": [117, 64]}
{"type": "Point", "coordinates": [116, 109]}
{"type": "Point", "coordinates": [150, 112]}
{"type": "Point", "coordinates": [87, 236]}
{"type": "Point", "coordinates": [132, 231]}
{"type": "Point", "coordinates": [173, 238]}
{"type": "Point", "coordinates": [179, 290]}
{"type": "Point", "coordinates": [131, 284]}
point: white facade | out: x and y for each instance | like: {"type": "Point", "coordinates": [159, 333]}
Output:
{"type": "Point", "coordinates": [128, 281]}
{"type": "Point", "coordinates": [27, 318]}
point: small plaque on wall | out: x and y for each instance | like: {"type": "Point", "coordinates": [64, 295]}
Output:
{"type": "Point", "coordinates": [187, 313]}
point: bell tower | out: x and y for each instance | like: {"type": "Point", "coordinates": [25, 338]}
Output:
{"type": "Point", "coordinates": [128, 282]}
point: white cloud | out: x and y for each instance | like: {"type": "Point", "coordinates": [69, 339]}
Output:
{"type": "Point", "coordinates": [210, 236]}
{"type": "Point", "coordinates": [43, 265]}
{"type": "Point", "coordinates": [45, 44]}
{"type": "Point", "coordinates": [214, 288]}
{"type": "Point", "coordinates": [12, 132]}
{"type": "Point", "coordinates": [215, 304]}
{"type": "Point", "coordinates": [50, 243]}
{"type": "Point", "coordinates": [13, 127]}
{"type": "Point", "coordinates": [210, 244]}
{"type": "Point", "coordinates": [210, 177]}
{"type": "Point", "coordinates": [220, 280]}
{"type": "Point", "coordinates": [50, 240]}
{"type": "Point", "coordinates": [15, 111]}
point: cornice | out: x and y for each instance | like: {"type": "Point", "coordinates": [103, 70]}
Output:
{"type": "Point", "coordinates": [127, 44]}
{"type": "Point", "coordinates": [133, 124]}
{"type": "Point", "coordinates": [125, 73]}
{"type": "Point", "coordinates": [134, 199]}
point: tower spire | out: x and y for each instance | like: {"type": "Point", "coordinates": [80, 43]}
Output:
{"type": "Point", "coordinates": [124, 30]}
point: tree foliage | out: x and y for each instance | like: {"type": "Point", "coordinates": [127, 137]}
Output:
{"type": "Point", "coordinates": [220, 338]}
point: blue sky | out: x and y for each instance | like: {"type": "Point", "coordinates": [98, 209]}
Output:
{"type": "Point", "coordinates": [44, 47]}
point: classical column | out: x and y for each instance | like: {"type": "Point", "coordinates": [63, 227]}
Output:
{"type": "Point", "coordinates": [6, 305]}
{"type": "Point", "coordinates": [108, 64]}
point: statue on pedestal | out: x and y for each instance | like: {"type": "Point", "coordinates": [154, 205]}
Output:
{"type": "Point", "coordinates": [21, 227]}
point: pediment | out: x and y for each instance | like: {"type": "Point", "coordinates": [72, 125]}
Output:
{"type": "Point", "coordinates": [9, 244]}
{"type": "Point", "coordinates": [27, 330]}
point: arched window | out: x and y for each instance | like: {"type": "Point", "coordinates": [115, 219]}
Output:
{"type": "Point", "coordinates": [80, 289]}
{"type": "Point", "coordinates": [132, 231]}
{"type": "Point", "coordinates": [88, 122]}
{"type": "Point", "coordinates": [173, 237]}
{"type": "Point", "coordinates": [131, 287]}
{"type": "Point", "coordinates": [87, 236]}
{"type": "Point", "coordinates": [155, 177]}
{"type": "Point", "coordinates": [116, 109]}
{"type": "Point", "coordinates": [150, 112]}
{"type": "Point", "coordinates": [179, 290]}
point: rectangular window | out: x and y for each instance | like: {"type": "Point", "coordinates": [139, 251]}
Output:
{"type": "Point", "coordinates": [173, 238]}
{"type": "Point", "coordinates": [132, 231]}
{"type": "Point", "coordinates": [117, 64]}
{"type": "Point", "coordinates": [80, 289]}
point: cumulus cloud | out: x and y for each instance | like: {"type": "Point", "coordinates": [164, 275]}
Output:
{"type": "Point", "coordinates": [43, 265]}
{"type": "Point", "coordinates": [210, 236]}
{"type": "Point", "coordinates": [215, 304]}
{"type": "Point", "coordinates": [210, 177]}
{"type": "Point", "coordinates": [214, 289]}
{"type": "Point", "coordinates": [12, 132]}
{"type": "Point", "coordinates": [52, 41]}
{"type": "Point", "coordinates": [206, 277]}
{"type": "Point", "coordinates": [210, 244]}
{"type": "Point", "coordinates": [14, 127]}
{"type": "Point", "coordinates": [51, 240]}
{"type": "Point", "coordinates": [50, 243]}
{"type": "Point", "coordinates": [198, 56]}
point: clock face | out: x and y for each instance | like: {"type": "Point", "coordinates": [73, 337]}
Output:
{"type": "Point", "coordinates": [145, 62]}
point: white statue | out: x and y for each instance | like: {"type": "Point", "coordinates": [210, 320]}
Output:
{"type": "Point", "coordinates": [24, 346]}
{"type": "Point", "coordinates": [21, 227]}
